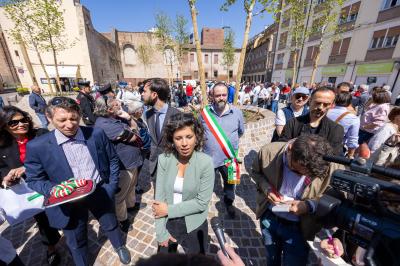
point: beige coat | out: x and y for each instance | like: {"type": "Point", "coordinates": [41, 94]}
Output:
{"type": "Point", "coordinates": [267, 171]}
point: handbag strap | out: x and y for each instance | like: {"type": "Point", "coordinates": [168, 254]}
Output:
{"type": "Point", "coordinates": [341, 117]}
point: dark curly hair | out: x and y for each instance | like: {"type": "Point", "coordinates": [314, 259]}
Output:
{"type": "Point", "coordinates": [6, 115]}
{"type": "Point", "coordinates": [307, 150]}
{"type": "Point", "coordinates": [380, 96]}
{"type": "Point", "coordinates": [179, 121]}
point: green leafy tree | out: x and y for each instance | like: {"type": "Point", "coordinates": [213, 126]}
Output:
{"type": "Point", "coordinates": [145, 55]}
{"type": "Point", "coordinates": [326, 25]}
{"type": "Point", "coordinates": [163, 33]}
{"type": "Point", "coordinates": [270, 6]}
{"type": "Point", "coordinates": [228, 56]}
{"type": "Point", "coordinates": [297, 29]}
{"type": "Point", "coordinates": [48, 18]}
{"type": "Point", "coordinates": [193, 13]}
{"type": "Point", "coordinates": [181, 38]}
{"type": "Point", "coordinates": [24, 31]}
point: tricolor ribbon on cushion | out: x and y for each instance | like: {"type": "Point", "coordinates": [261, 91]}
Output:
{"type": "Point", "coordinates": [232, 161]}
{"type": "Point", "coordinates": [67, 187]}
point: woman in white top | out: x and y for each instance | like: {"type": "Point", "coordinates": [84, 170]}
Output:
{"type": "Point", "coordinates": [184, 185]}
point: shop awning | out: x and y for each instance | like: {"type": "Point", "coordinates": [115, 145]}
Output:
{"type": "Point", "coordinates": [63, 71]}
{"type": "Point", "coordinates": [334, 70]}
{"type": "Point", "coordinates": [375, 69]}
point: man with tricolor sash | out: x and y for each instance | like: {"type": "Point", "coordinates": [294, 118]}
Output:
{"type": "Point", "coordinates": [224, 125]}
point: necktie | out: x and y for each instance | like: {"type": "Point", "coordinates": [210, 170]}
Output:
{"type": "Point", "coordinates": [158, 126]}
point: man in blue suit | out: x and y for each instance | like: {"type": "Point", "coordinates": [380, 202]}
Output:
{"type": "Point", "coordinates": [38, 104]}
{"type": "Point", "coordinates": [79, 152]}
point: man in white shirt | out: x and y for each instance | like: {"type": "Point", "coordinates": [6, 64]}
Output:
{"type": "Point", "coordinates": [274, 98]}
{"type": "Point", "coordinates": [263, 97]}
{"type": "Point", "coordinates": [297, 108]}
{"type": "Point", "coordinates": [256, 91]}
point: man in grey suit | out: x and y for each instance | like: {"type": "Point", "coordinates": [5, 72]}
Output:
{"type": "Point", "coordinates": [156, 94]}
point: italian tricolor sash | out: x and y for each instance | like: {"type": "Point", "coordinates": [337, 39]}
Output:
{"type": "Point", "coordinates": [232, 161]}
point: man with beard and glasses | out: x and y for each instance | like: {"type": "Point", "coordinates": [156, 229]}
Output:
{"type": "Point", "coordinates": [316, 122]}
{"type": "Point", "coordinates": [223, 126]}
{"type": "Point", "coordinates": [155, 95]}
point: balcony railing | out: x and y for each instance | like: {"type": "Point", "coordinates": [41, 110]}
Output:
{"type": "Point", "coordinates": [337, 59]}
{"type": "Point", "coordinates": [389, 14]}
{"type": "Point", "coordinates": [379, 54]}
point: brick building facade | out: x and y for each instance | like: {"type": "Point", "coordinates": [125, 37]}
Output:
{"type": "Point", "coordinates": [90, 56]}
{"type": "Point", "coordinates": [260, 53]}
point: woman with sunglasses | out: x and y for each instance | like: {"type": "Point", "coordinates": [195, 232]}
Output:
{"type": "Point", "coordinates": [16, 129]}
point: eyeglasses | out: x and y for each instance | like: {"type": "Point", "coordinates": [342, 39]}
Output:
{"type": "Point", "coordinates": [59, 100]}
{"type": "Point", "coordinates": [15, 122]}
{"type": "Point", "coordinates": [299, 95]}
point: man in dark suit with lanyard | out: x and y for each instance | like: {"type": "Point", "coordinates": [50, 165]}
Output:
{"type": "Point", "coordinates": [155, 94]}
{"type": "Point", "coordinates": [78, 152]}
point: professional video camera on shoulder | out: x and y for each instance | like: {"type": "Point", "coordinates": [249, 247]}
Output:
{"type": "Point", "coordinates": [366, 207]}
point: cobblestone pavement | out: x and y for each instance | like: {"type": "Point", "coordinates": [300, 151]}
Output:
{"type": "Point", "coordinates": [243, 232]}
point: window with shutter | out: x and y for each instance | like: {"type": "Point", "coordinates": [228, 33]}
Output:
{"type": "Point", "coordinates": [335, 48]}
{"type": "Point", "coordinates": [345, 46]}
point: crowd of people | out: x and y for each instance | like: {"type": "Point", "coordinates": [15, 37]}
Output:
{"type": "Point", "coordinates": [187, 149]}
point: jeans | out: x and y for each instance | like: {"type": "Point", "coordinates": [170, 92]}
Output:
{"type": "Point", "coordinates": [281, 236]}
{"type": "Point", "coordinates": [103, 209]}
{"type": "Point", "coordinates": [364, 136]}
{"type": "Point", "coordinates": [189, 99]}
{"type": "Point", "coordinates": [229, 189]}
{"type": "Point", "coordinates": [43, 120]}
{"type": "Point", "coordinates": [274, 106]}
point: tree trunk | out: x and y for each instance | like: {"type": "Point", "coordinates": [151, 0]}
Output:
{"type": "Point", "coordinates": [315, 65]}
{"type": "Point", "coordinates": [35, 46]}
{"type": "Point", "coordinates": [243, 51]}
{"type": "Point", "coordinates": [228, 74]}
{"type": "Point", "coordinates": [28, 62]}
{"type": "Point", "coordinates": [44, 69]}
{"type": "Point", "coordinates": [57, 74]}
{"type": "Point", "coordinates": [294, 68]}
{"type": "Point", "coordinates": [193, 12]}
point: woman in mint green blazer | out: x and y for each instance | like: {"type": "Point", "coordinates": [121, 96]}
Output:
{"type": "Point", "coordinates": [184, 185]}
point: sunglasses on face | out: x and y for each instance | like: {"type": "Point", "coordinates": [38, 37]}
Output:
{"type": "Point", "coordinates": [59, 100]}
{"type": "Point", "coordinates": [299, 95]}
{"type": "Point", "coordinates": [15, 122]}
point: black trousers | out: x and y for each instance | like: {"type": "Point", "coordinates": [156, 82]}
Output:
{"type": "Point", "coordinates": [195, 242]}
{"type": "Point", "coordinates": [229, 189]}
{"type": "Point", "coordinates": [49, 235]}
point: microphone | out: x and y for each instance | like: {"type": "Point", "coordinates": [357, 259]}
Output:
{"type": "Point", "coordinates": [218, 229]}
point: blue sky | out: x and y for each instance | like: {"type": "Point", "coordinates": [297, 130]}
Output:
{"type": "Point", "coordinates": [138, 15]}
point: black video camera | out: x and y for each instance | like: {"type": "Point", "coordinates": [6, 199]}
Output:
{"type": "Point", "coordinates": [364, 207]}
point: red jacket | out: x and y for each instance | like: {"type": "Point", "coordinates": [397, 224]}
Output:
{"type": "Point", "coordinates": [189, 90]}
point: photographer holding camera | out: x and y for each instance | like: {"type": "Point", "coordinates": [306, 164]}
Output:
{"type": "Point", "coordinates": [290, 177]}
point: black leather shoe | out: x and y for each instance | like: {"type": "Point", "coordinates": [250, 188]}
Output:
{"type": "Point", "coordinates": [134, 208]}
{"type": "Point", "coordinates": [53, 258]}
{"type": "Point", "coordinates": [123, 254]}
{"type": "Point", "coordinates": [125, 226]}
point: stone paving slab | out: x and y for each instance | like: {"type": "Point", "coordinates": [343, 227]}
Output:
{"type": "Point", "coordinates": [243, 232]}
